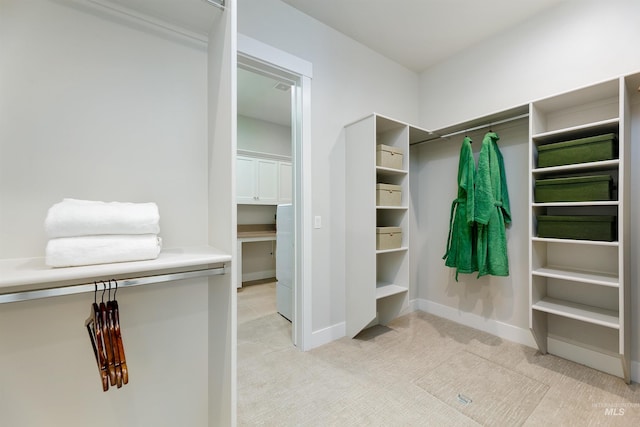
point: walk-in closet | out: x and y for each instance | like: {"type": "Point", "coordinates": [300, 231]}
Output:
{"type": "Point", "coordinates": [456, 183]}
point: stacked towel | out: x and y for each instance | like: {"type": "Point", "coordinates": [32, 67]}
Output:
{"type": "Point", "coordinates": [83, 232]}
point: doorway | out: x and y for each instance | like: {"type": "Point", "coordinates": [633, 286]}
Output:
{"type": "Point", "coordinates": [286, 81]}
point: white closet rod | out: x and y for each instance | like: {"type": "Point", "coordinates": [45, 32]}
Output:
{"type": "Point", "coordinates": [497, 122]}
{"type": "Point", "coordinates": [124, 283]}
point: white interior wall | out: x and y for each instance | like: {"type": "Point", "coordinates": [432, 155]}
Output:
{"type": "Point", "coordinates": [263, 137]}
{"type": "Point", "coordinates": [503, 299]}
{"type": "Point", "coordinates": [576, 44]}
{"type": "Point", "coordinates": [95, 106]}
{"type": "Point", "coordinates": [557, 51]}
{"type": "Point", "coordinates": [349, 82]}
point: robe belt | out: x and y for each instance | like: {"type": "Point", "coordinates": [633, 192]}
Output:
{"type": "Point", "coordinates": [455, 203]}
{"type": "Point", "coordinates": [497, 204]}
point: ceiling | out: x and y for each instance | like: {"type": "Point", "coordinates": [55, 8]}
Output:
{"type": "Point", "coordinates": [414, 33]}
{"type": "Point", "coordinates": [258, 98]}
{"type": "Point", "coordinates": [421, 33]}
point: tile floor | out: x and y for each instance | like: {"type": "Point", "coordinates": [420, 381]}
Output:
{"type": "Point", "coordinates": [420, 370]}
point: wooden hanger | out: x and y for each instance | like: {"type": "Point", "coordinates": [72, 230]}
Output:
{"type": "Point", "coordinates": [94, 328]}
{"type": "Point", "coordinates": [108, 348]}
{"type": "Point", "coordinates": [118, 337]}
{"type": "Point", "coordinates": [113, 341]}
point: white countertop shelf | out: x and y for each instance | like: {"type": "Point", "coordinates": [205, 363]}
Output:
{"type": "Point", "coordinates": [23, 274]}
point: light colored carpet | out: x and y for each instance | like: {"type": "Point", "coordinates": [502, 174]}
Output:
{"type": "Point", "coordinates": [409, 373]}
{"type": "Point", "coordinates": [483, 390]}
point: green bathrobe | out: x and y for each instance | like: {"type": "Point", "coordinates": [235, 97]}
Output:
{"type": "Point", "coordinates": [461, 248]}
{"type": "Point", "coordinates": [492, 211]}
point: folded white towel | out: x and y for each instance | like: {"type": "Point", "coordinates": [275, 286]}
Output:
{"type": "Point", "coordinates": [71, 218]}
{"type": "Point", "coordinates": [87, 250]}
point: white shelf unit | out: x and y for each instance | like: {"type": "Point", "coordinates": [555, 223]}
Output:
{"type": "Point", "coordinates": [191, 140]}
{"type": "Point", "coordinates": [377, 280]}
{"type": "Point", "coordinates": [579, 289]}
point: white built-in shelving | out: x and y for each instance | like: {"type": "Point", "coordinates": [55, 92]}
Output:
{"type": "Point", "coordinates": [377, 280]}
{"type": "Point", "coordinates": [580, 289]}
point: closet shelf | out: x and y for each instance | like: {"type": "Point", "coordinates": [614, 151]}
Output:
{"type": "Point", "coordinates": [603, 126]}
{"type": "Point", "coordinates": [384, 290]}
{"type": "Point", "coordinates": [576, 242]}
{"type": "Point", "coordinates": [579, 167]}
{"type": "Point", "coordinates": [386, 251]}
{"type": "Point", "coordinates": [581, 312]}
{"type": "Point", "coordinates": [27, 274]}
{"type": "Point", "coordinates": [577, 204]}
{"type": "Point", "coordinates": [389, 171]}
{"type": "Point", "coordinates": [399, 208]}
{"type": "Point", "coordinates": [602, 279]}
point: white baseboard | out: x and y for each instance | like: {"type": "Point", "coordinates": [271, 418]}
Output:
{"type": "Point", "coordinates": [491, 326]}
{"type": "Point", "coordinates": [328, 334]}
{"type": "Point", "coordinates": [512, 333]}
{"type": "Point", "coordinates": [258, 275]}
{"type": "Point", "coordinates": [594, 359]}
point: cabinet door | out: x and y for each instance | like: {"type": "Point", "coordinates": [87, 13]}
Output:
{"type": "Point", "coordinates": [246, 180]}
{"type": "Point", "coordinates": [285, 182]}
{"type": "Point", "coordinates": [267, 182]}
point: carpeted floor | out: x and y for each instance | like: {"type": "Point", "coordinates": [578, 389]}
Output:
{"type": "Point", "coordinates": [420, 370]}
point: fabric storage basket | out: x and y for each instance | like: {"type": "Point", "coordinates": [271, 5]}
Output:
{"type": "Point", "coordinates": [388, 238]}
{"type": "Point", "coordinates": [389, 157]}
{"type": "Point", "coordinates": [388, 195]}
{"type": "Point", "coordinates": [583, 150]}
{"type": "Point", "coordinates": [573, 189]}
{"type": "Point", "coordinates": [580, 227]}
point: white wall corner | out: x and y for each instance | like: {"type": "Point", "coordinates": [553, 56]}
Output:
{"type": "Point", "coordinates": [328, 334]}
{"type": "Point", "coordinates": [491, 326]}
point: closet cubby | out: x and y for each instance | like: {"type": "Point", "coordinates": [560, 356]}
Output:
{"type": "Point", "coordinates": [579, 288]}
{"type": "Point", "coordinates": [377, 281]}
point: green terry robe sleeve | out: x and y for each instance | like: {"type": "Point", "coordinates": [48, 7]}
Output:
{"type": "Point", "coordinates": [461, 247]}
{"type": "Point", "coordinates": [492, 210]}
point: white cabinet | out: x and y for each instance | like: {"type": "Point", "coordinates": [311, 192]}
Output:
{"type": "Point", "coordinates": [377, 281]}
{"type": "Point", "coordinates": [263, 181]}
{"type": "Point", "coordinates": [580, 289]}
{"type": "Point", "coordinates": [285, 182]}
{"type": "Point", "coordinates": [267, 182]}
{"type": "Point", "coordinates": [256, 181]}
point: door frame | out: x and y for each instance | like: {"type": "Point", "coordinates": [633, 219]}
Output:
{"type": "Point", "coordinates": [260, 57]}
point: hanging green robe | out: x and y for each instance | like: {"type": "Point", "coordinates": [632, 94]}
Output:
{"type": "Point", "coordinates": [492, 210]}
{"type": "Point", "coordinates": [461, 248]}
